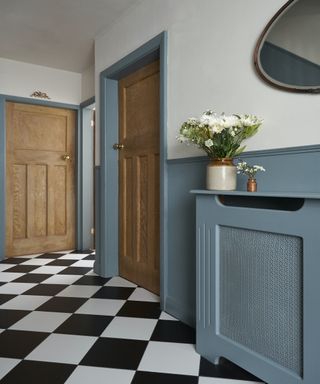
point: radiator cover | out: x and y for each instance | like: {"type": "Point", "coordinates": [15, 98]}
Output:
{"type": "Point", "coordinates": [261, 296]}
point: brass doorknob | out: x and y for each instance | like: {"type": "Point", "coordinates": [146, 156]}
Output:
{"type": "Point", "coordinates": [66, 157]}
{"type": "Point", "coordinates": [117, 146]}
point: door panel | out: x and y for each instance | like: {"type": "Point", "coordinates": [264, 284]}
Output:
{"type": "Point", "coordinates": [139, 172]}
{"type": "Point", "coordinates": [40, 188]}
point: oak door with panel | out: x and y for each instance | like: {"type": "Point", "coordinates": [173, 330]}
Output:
{"type": "Point", "coordinates": [139, 172]}
{"type": "Point", "coordinates": [40, 179]}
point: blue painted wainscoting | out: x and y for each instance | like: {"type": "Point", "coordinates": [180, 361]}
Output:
{"type": "Point", "coordinates": [287, 170]}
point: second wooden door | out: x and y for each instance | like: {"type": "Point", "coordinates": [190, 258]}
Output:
{"type": "Point", "coordinates": [139, 210]}
{"type": "Point", "coordinates": [40, 186]}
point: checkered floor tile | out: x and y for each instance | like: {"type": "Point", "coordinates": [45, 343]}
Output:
{"type": "Point", "coordinates": [61, 323]}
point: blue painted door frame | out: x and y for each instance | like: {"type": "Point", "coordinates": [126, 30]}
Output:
{"type": "Point", "coordinates": [107, 218]}
{"type": "Point", "coordinates": [3, 100]}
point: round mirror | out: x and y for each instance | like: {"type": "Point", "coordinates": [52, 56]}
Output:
{"type": "Point", "coordinates": [287, 54]}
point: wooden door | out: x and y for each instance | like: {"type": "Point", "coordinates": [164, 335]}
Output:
{"type": "Point", "coordinates": [139, 105]}
{"type": "Point", "coordinates": [40, 186]}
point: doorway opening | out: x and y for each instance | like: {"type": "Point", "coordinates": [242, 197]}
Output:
{"type": "Point", "coordinates": [87, 164]}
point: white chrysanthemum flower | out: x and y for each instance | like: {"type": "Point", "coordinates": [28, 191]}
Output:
{"type": "Point", "coordinates": [210, 120]}
{"type": "Point", "coordinates": [208, 143]}
{"type": "Point", "coordinates": [230, 121]}
{"type": "Point", "coordinates": [217, 128]}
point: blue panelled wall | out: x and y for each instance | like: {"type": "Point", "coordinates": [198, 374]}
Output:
{"type": "Point", "coordinates": [287, 170]}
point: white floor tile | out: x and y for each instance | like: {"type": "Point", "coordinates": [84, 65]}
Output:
{"type": "Point", "coordinates": [83, 263]}
{"type": "Point", "coordinates": [25, 302]}
{"type": "Point", "coordinates": [73, 256]}
{"type": "Point", "coordinates": [41, 321]}
{"type": "Point", "coordinates": [130, 328]}
{"type": "Point", "coordinates": [37, 262]}
{"type": "Point", "coordinates": [105, 307]}
{"type": "Point", "coordinates": [16, 288]}
{"type": "Point", "coordinates": [166, 316]}
{"type": "Point", "coordinates": [3, 267]}
{"type": "Point", "coordinates": [49, 269]}
{"type": "Point", "coordinates": [97, 375]}
{"type": "Point", "coordinates": [175, 358]}
{"type": "Point", "coordinates": [58, 348]}
{"type": "Point", "coordinates": [79, 291]}
{"type": "Point", "coordinates": [9, 276]}
{"type": "Point", "coordinates": [1, 330]}
{"type": "Point", "coordinates": [141, 294]}
{"type": "Point", "coordinates": [6, 365]}
{"type": "Point", "coordinates": [62, 279]}
{"type": "Point", "coordinates": [213, 380]}
{"type": "Point", "coordinates": [91, 273]}
{"type": "Point", "coordinates": [120, 282]}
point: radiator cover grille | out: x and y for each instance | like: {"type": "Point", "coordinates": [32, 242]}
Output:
{"type": "Point", "coordinates": [261, 303]}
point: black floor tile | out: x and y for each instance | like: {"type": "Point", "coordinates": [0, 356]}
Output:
{"type": "Point", "coordinates": [86, 251]}
{"type": "Point", "coordinates": [50, 256]}
{"type": "Point", "coordinates": [62, 262]}
{"type": "Point", "coordinates": [32, 278]}
{"type": "Point", "coordinates": [45, 289]}
{"type": "Point", "coordinates": [75, 271]}
{"type": "Point", "coordinates": [173, 331]}
{"type": "Point", "coordinates": [38, 372]}
{"type": "Point", "coordinates": [22, 268]}
{"type": "Point", "coordinates": [86, 325]}
{"type": "Point", "coordinates": [225, 370]}
{"type": "Point", "coordinates": [90, 257]}
{"type": "Point", "coordinates": [18, 344]}
{"type": "Point", "coordinates": [113, 293]}
{"type": "Point", "coordinates": [2, 283]}
{"type": "Point", "coordinates": [62, 304]}
{"type": "Point", "coordinates": [92, 280]}
{"type": "Point", "coordinates": [14, 260]}
{"type": "Point", "coordinates": [142, 309]}
{"type": "Point", "coordinates": [4, 298]}
{"type": "Point", "coordinates": [162, 378]}
{"type": "Point", "coordinates": [115, 353]}
{"type": "Point", "coordinates": [9, 317]}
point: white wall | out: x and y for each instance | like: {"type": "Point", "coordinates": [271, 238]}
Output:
{"type": "Point", "coordinates": [22, 79]}
{"type": "Point", "coordinates": [210, 65]}
{"type": "Point", "coordinates": [87, 83]}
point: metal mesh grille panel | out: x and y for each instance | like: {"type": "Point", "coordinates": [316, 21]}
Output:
{"type": "Point", "coordinates": [261, 293]}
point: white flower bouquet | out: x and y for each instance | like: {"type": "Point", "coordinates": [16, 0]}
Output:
{"type": "Point", "coordinates": [249, 170]}
{"type": "Point", "coordinates": [220, 136]}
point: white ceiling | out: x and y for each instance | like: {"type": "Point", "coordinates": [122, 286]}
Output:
{"type": "Point", "coordinates": [55, 33]}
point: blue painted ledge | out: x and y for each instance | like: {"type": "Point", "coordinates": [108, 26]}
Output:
{"type": "Point", "coordinates": [293, 195]}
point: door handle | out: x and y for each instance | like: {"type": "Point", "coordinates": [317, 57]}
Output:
{"type": "Point", "coordinates": [66, 157]}
{"type": "Point", "coordinates": [117, 146]}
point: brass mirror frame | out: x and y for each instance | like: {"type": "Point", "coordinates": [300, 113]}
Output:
{"type": "Point", "coordinates": [256, 56]}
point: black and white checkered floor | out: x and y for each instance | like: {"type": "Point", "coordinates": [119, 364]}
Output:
{"type": "Point", "coordinates": [61, 323]}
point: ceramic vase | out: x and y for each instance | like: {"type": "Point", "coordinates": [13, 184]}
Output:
{"type": "Point", "coordinates": [221, 174]}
